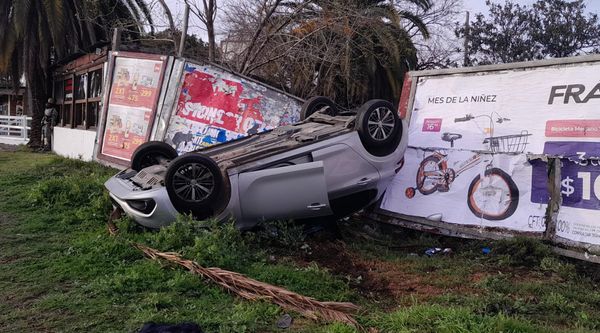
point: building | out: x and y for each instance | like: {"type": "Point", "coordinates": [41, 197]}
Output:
{"type": "Point", "coordinates": [12, 102]}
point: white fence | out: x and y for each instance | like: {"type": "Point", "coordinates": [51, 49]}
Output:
{"type": "Point", "coordinates": [14, 129]}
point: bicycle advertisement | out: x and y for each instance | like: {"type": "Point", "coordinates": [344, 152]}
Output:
{"type": "Point", "coordinates": [476, 139]}
{"type": "Point", "coordinates": [466, 190]}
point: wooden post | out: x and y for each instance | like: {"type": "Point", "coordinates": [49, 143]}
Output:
{"type": "Point", "coordinates": [466, 61]}
{"type": "Point", "coordinates": [554, 188]}
{"type": "Point", "coordinates": [116, 39]}
{"type": "Point", "coordinates": [186, 15]}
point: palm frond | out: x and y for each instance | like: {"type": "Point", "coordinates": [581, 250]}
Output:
{"type": "Point", "coordinates": [416, 20]}
{"type": "Point", "coordinates": [53, 18]}
{"type": "Point", "coordinates": [21, 9]}
{"type": "Point", "coordinates": [145, 14]}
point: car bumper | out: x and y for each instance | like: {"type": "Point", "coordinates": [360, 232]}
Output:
{"type": "Point", "coordinates": [123, 192]}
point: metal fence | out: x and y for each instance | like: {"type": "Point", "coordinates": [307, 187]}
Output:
{"type": "Point", "coordinates": [15, 127]}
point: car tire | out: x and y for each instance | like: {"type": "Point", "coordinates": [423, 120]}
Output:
{"type": "Point", "coordinates": [195, 185]}
{"type": "Point", "coordinates": [317, 103]}
{"type": "Point", "coordinates": [151, 153]}
{"type": "Point", "coordinates": [379, 127]}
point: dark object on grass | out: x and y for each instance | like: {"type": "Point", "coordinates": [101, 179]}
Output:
{"type": "Point", "coordinates": [285, 321]}
{"type": "Point", "coordinates": [170, 328]}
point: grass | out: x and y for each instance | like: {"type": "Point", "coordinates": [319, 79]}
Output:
{"type": "Point", "coordinates": [61, 272]}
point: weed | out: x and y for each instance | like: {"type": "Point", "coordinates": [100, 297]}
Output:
{"type": "Point", "coordinates": [521, 251]}
{"type": "Point", "coordinates": [286, 236]}
{"type": "Point", "coordinates": [435, 318]}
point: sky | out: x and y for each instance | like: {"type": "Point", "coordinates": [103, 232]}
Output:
{"type": "Point", "coordinates": [474, 6]}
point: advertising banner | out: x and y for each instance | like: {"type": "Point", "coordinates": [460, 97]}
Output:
{"type": "Point", "coordinates": [471, 135]}
{"type": "Point", "coordinates": [468, 188]}
{"type": "Point", "coordinates": [132, 102]}
{"type": "Point", "coordinates": [514, 111]}
{"type": "Point", "coordinates": [580, 190]}
{"type": "Point", "coordinates": [216, 106]}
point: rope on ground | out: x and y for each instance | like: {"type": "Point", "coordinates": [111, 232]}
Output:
{"type": "Point", "coordinates": [251, 289]}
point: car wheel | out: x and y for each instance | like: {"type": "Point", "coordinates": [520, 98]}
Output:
{"type": "Point", "coordinates": [151, 153]}
{"type": "Point", "coordinates": [195, 184]}
{"type": "Point", "coordinates": [379, 126]}
{"type": "Point", "coordinates": [318, 104]}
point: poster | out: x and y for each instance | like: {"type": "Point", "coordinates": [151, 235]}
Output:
{"type": "Point", "coordinates": [132, 101]}
{"type": "Point", "coordinates": [215, 106]}
{"type": "Point", "coordinates": [486, 125]}
{"type": "Point", "coordinates": [466, 187]}
{"type": "Point", "coordinates": [579, 186]}
{"type": "Point", "coordinates": [515, 111]}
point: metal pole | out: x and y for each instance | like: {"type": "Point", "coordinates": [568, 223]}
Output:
{"type": "Point", "coordinates": [186, 15]}
{"type": "Point", "coordinates": [466, 61]}
{"type": "Point", "coordinates": [116, 40]}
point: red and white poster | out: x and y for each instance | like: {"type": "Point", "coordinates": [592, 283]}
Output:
{"type": "Point", "coordinates": [133, 94]}
{"type": "Point", "coordinates": [215, 106]}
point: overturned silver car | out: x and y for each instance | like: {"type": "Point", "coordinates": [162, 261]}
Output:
{"type": "Point", "coordinates": [332, 163]}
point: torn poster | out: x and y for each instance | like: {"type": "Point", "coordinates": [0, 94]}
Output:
{"type": "Point", "coordinates": [215, 106]}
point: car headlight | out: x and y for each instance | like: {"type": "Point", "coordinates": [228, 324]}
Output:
{"type": "Point", "coordinates": [145, 206]}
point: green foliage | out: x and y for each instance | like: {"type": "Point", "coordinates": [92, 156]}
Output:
{"type": "Point", "coordinates": [521, 251]}
{"type": "Point", "coordinates": [284, 235]}
{"type": "Point", "coordinates": [435, 318]}
{"type": "Point", "coordinates": [513, 32]}
{"type": "Point", "coordinates": [351, 51]}
{"type": "Point", "coordinates": [66, 272]}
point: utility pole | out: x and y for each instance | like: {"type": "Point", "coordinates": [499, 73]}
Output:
{"type": "Point", "coordinates": [186, 15]}
{"type": "Point", "coordinates": [466, 61]}
{"type": "Point", "coordinates": [116, 39]}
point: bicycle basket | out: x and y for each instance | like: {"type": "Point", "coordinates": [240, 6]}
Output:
{"type": "Point", "coordinates": [515, 143]}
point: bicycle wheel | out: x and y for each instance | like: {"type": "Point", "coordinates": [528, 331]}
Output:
{"type": "Point", "coordinates": [429, 175]}
{"type": "Point", "coordinates": [495, 197]}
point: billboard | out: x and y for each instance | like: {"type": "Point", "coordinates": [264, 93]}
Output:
{"type": "Point", "coordinates": [215, 106]}
{"type": "Point", "coordinates": [134, 91]}
{"type": "Point", "coordinates": [478, 144]}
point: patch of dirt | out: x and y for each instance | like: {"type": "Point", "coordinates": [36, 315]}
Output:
{"type": "Point", "coordinates": [371, 277]}
{"type": "Point", "coordinates": [335, 257]}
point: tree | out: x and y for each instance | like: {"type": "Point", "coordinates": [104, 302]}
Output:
{"type": "Point", "coordinates": [440, 49]}
{"type": "Point", "coordinates": [562, 29]}
{"type": "Point", "coordinates": [514, 32]}
{"type": "Point", "coordinates": [350, 50]}
{"type": "Point", "coordinates": [31, 31]}
{"type": "Point", "coordinates": [207, 14]}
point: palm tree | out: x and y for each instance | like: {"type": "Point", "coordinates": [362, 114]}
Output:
{"type": "Point", "coordinates": [353, 50]}
{"type": "Point", "coordinates": [31, 31]}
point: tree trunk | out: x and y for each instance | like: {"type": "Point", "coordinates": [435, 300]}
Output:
{"type": "Point", "coordinates": [36, 91]}
{"type": "Point", "coordinates": [210, 29]}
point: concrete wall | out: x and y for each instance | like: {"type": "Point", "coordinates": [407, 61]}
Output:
{"type": "Point", "coordinates": [74, 143]}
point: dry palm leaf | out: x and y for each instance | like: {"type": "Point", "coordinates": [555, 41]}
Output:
{"type": "Point", "coordinates": [253, 290]}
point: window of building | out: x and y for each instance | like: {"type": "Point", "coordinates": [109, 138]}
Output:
{"type": "Point", "coordinates": [78, 97]}
{"type": "Point", "coordinates": [66, 114]}
{"type": "Point", "coordinates": [93, 109]}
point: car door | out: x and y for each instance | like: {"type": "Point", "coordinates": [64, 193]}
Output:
{"type": "Point", "coordinates": [296, 191]}
{"type": "Point", "coordinates": [346, 171]}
